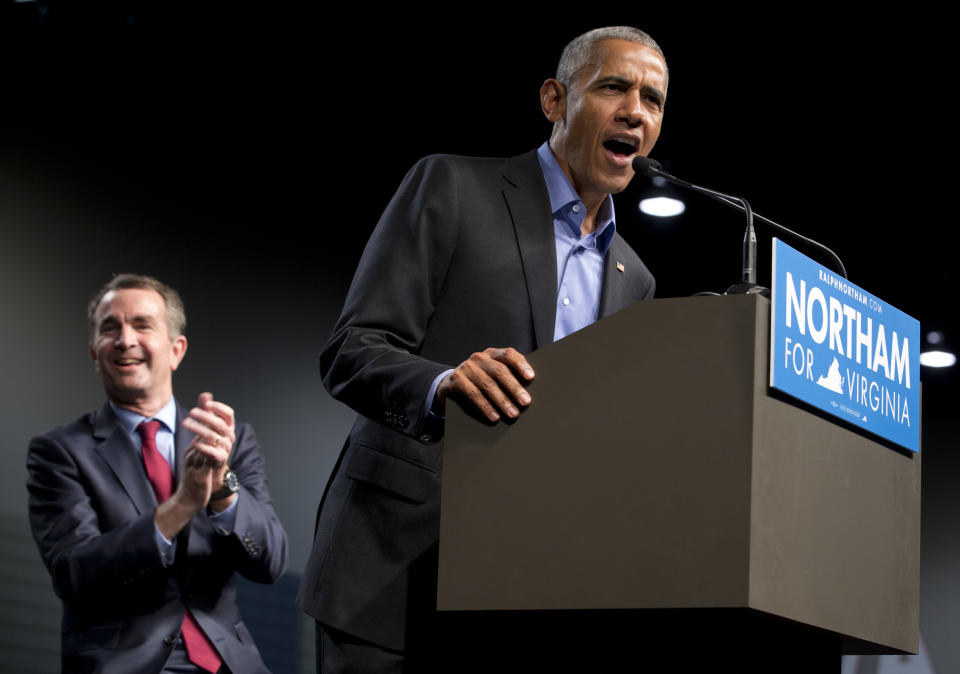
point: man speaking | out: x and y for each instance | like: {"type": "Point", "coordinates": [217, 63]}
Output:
{"type": "Point", "coordinates": [143, 511]}
{"type": "Point", "coordinates": [489, 257]}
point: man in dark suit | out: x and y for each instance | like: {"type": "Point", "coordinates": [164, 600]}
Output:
{"type": "Point", "coordinates": [470, 252]}
{"type": "Point", "coordinates": [143, 510]}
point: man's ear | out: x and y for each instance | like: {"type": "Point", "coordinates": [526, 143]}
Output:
{"type": "Point", "coordinates": [553, 100]}
{"type": "Point", "coordinates": [179, 350]}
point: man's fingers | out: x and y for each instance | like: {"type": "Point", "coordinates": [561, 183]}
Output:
{"type": "Point", "coordinates": [213, 445]}
{"type": "Point", "coordinates": [206, 402]}
{"type": "Point", "coordinates": [515, 360]}
{"type": "Point", "coordinates": [501, 365]}
{"type": "Point", "coordinates": [212, 422]}
{"type": "Point", "coordinates": [215, 423]}
{"type": "Point", "coordinates": [511, 361]}
{"type": "Point", "coordinates": [465, 388]}
{"type": "Point", "coordinates": [211, 432]}
{"type": "Point", "coordinates": [208, 458]}
{"type": "Point", "coordinates": [487, 379]}
{"type": "Point", "coordinates": [220, 409]}
{"type": "Point", "coordinates": [211, 455]}
{"type": "Point", "coordinates": [494, 389]}
{"type": "Point", "coordinates": [196, 459]}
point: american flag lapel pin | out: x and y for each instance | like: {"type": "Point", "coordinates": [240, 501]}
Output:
{"type": "Point", "coordinates": [619, 266]}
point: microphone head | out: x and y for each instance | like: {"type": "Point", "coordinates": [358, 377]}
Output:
{"type": "Point", "coordinates": [646, 166]}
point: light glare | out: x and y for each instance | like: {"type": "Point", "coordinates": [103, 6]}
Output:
{"type": "Point", "coordinates": [937, 359]}
{"type": "Point", "coordinates": [662, 207]}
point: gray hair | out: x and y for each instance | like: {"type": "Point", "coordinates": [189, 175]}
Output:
{"type": "Point", "coordinates": [578, 51]}
{"type": "Point", "coordinates": [176, 315]}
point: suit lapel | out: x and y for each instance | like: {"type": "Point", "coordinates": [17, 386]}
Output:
{"type": "Point", "coordinates": [613, 290]}
{"type": "Point", "coordinates": [529, 206]}
{"type": "Point", "coordinates": [119, 453]}
{"type": "Point", "coordinates": [182, 440]}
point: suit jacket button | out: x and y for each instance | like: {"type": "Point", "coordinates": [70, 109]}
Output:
{"type": "Point", "coordinates": [170, 639]}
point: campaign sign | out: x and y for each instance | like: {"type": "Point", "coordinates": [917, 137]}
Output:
{"type": "Point", "coordinates": [840, 349]}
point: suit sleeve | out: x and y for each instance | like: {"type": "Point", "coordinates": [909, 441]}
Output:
{"type": "Point", "coordinates": [371, 361]}
{"type": "Point", "coordinates": [103, 555]}
{"type": "Point", "coordinates": [261, 552]}
{"type": "Point", "coordinates": [86, 563]}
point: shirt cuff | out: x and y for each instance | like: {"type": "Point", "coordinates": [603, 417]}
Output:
{"type": "Point", "coordinates": [224, 521]}
{"type": "Point", "coordinates": [167, 549]}
{"type": "Point", "coordinates": [433, 392]}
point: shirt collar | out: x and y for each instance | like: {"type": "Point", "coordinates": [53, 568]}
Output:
{"type": "Point", "coordinates": [130, 420]}
{"type": "Point", "coordinates": [563, 197]}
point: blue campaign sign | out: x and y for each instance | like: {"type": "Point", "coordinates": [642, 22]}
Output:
{"type": "Point", "coordinates": [835, 346]}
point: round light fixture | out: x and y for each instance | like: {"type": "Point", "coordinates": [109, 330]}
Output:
{"type": "Point", "coordinates": [662, 207]}
{"type": "Point", "coordinates": [937, 359]}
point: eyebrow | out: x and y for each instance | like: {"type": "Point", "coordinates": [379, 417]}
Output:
{"type": "Point", "coordinates": [646, 88]}
{"type": "Point", "coordinates": [109, 319]}
{"type": "Point", "coordinates": [653, 91]}
{"type": "Point", "coordinates": [613, 79]}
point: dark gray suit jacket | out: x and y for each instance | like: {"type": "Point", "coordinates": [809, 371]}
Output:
{"type": "Point", "coordinates": [463, 258]}
{"type": "Point", "coordinates": [91, 511]}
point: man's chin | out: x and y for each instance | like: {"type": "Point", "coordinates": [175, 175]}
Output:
{"type": "Point", "coordinates": [618, 186]}
{"type": "Point", "coordinates": [616, 179]}
{"type": "Point", "coordinates": [125, 395]}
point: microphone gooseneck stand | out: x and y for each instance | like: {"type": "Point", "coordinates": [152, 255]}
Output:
{"type": "Point", "coordinates": [748, 283]}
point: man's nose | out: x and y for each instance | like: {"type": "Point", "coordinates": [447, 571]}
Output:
{"type": "Point", "coordinates": [632, 112]}
{"type": "Point", "coordinates": [126, 336]}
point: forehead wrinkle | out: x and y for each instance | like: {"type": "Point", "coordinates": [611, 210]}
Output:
{"type": "Point", "coordinates": [112, 315]}
{"type": "Point", "coordinates": [627, 82]}
{"type": "Point", "coordinates": [601, 59]}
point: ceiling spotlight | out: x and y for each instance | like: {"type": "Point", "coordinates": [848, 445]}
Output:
{"type": "Point", "coordinates": [937, 359]}
{"type": "Point", "coordinates": [662, 207]}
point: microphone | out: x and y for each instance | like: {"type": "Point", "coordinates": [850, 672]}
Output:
{"type": "Point", "coordinates": [643, 166]}
{"type": "Point", "coordinates": [651, 167]}
{"type": "Point", "coordinates": [647, 166]}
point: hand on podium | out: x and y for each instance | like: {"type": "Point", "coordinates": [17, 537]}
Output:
{"type": "Point", "coordinates": [488, 380]}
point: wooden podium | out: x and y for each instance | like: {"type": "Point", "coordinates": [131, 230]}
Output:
{"type": "Point", "coordinates": [656, 475]}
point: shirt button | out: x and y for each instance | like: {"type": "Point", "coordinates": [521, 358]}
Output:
{"type": "Point", "coordinates": [576, 208]}
{"type": "Point", "coordinates": [566, 301]}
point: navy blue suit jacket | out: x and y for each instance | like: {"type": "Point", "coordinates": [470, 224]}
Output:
{"type": "Point", "coordinates": [91, 511]}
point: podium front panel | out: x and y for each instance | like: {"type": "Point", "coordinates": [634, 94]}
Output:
{"type": "Point", "coordinates": [654, 470]}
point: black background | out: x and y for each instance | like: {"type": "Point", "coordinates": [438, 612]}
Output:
{"type": "Point", "coordinates": [243, 155]}
{"type": "Point", "coordinates": [275, 136]}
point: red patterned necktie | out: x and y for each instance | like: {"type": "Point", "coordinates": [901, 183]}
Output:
{"type": "Point", "coordinates": [158, 470]}
{"type": "Point", "coordinates": [199, 649]}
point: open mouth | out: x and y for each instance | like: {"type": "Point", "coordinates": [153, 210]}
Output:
{"type": "Point", "coordinates": [128, 361]}
{"type": "Point", "coordinates": [621, 148]}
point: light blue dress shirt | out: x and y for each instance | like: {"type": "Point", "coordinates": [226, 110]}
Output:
{"type": "Point", "coordinates": [167, 417]}
{"type": "Point", "coordinates": [579, 258]}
